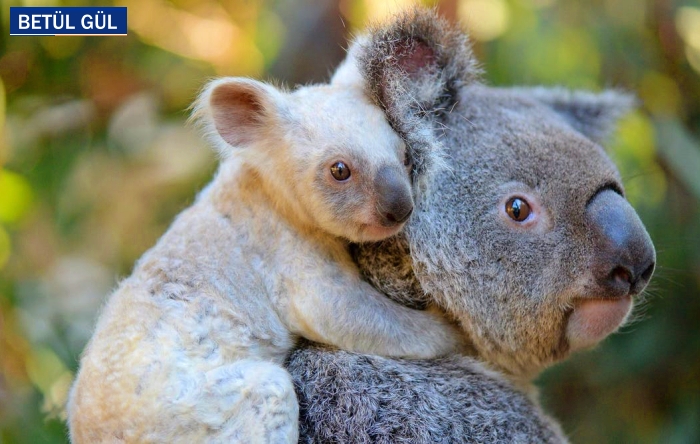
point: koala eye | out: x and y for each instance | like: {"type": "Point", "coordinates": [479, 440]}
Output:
{"type": "Point", "coordinates": [340, 171]}
{"type": "Point", "coordinates": [407, 160]}
{"type": "Point", "coordinates": [517, 209]}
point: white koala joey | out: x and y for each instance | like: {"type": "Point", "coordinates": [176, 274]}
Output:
{"type": "Point", "coordinates": [190, 347]}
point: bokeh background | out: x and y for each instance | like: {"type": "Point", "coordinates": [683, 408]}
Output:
{"type": "Point", "coordinates": [96, 159]}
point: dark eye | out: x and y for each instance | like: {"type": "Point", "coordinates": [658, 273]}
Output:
{"type": "Point", "coordinates": [517, 209]}
{"type": "Point", "coordinates": [407, 160]}
{"type": "Point", "coordinates": [340, 171]}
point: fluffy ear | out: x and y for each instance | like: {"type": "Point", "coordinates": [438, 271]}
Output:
{"type": "Point", "coordinates": [412, 67]}
{"type": "Point", "coordinates": [419, 58]}
{"type": "Point", "coordinates": [592, 114]}
{"type": "Point", "coordinates": [236, 110]}
{"type": "Point", "coordinates": [348, 72]}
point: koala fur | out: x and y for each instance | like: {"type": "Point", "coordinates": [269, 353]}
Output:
{"type": "Point", "coordinates": [352, 398]}
{"type": "Point", "coordinates": [527, 293]}
{"type": "Point", "coordinates": [190, 347]}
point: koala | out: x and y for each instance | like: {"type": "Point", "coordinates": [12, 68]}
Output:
{"type": "Point", "coordinates": [191, 346]}
{"type": "Point", "coordinates": [527, 241]}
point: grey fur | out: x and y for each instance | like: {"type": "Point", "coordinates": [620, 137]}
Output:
{"type": "Point", "coordinates": [387, 265]}
{"type": "Point", "coordinates": [512, 289]}
{"type": "Point", "coordinates": [593, 115]}
{"type": "Point", "coordinates": [350, 398]}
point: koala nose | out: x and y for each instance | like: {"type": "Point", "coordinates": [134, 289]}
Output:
{"type": "Point", "coordinates": [399, 216]}
{"type": "Point", "coordinates": [625, 256]}
{"type": "Point", "coordinates": [394, 199]}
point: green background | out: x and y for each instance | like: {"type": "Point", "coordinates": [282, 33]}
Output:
{"type": "Point", "coordinates": [96, 159]}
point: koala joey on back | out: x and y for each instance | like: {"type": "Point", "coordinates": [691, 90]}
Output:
{"type": "Point", "coordinates": [190, 347]}
{"type": "Point", "coordinates": [527, 241]}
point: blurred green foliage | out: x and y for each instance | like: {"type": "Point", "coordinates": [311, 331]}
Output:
{"type": "Point", "coordinates": [95, 160]}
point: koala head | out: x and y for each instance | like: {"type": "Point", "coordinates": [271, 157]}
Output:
{"type": "Point", "coordinates": [527, 240]}
{"type": "Point", "coordinates": [326, 155]}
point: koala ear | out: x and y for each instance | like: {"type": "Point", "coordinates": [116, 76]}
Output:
{"type": "Point", "coordinates": [413, 68]}
{"type": "Point", "coordinates": [417, 57]}
{"type": "Point", "coordinates": [236, 110]}
{"type": "Point", "coordinates": [348, 72]}
{"type": "Point", "coordinates": [594, 115]}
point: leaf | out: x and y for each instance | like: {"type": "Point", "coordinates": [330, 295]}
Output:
{"type": "Point", "coordinates": [15, 196]}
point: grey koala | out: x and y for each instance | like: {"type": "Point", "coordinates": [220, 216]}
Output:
{"type": "Point", "coordinates": [527, 241]}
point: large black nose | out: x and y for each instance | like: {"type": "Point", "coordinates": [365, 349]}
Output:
{"type": "Point", "coordinates": [625, 256]}
{"type": "Point", "coordinates": [394, 198]}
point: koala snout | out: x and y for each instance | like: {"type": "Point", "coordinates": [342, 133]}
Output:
{"type": "Point", "coordinates": [625, 256]}
{"type": "Point", "coordinates": [393, 196]}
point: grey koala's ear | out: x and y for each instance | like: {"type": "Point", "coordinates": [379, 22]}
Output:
{"type": "Point", "coordinates": [594, 115]}
{"type": "Point", "coordinates": [234, 111]}
{"type": "Point", "coordinates": [419, 58]}
{"type": "Point", "coordinates": [413, 67]}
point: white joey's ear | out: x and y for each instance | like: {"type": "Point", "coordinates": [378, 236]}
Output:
{"type": "Point", "coordinates": [348, 72]}
{"type": "Point", "coordinates": [594, 115]}
{"type": "Point", "coordinates": [236, 110]}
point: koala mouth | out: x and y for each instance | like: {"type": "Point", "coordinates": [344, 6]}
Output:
{"type": "Point", "coordinates": [594, 319]}
{"type": "Point", "coordinates": [373, 233]}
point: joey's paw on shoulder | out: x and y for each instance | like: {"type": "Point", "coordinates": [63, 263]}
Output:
{"type": "Point", "coordinates": [444, 337]}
